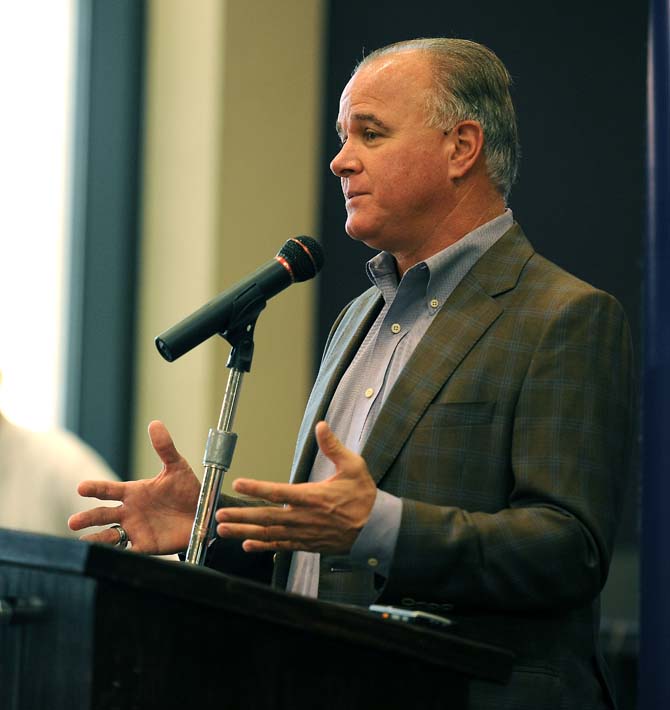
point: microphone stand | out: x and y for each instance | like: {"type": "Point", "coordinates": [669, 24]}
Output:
{"type": "Point", "coordinates": [221, 441]}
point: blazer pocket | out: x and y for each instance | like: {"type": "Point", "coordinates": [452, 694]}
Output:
{"type": "Point", "coordinates": [444, 414]}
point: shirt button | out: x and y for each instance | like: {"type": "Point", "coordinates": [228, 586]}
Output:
{"type": "Point", "coordinates": [434, 303]}
{"type": "Point", "coordinates": [395, 328]}
{"type": "Point", "coordinates": [369, 392]}
{"type": "Point", "coordinates": [373, 562]}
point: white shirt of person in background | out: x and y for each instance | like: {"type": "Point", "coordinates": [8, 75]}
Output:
{"type": "Point", "coordinates": [39, 474]}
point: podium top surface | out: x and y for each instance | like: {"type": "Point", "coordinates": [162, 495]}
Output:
{"type": "Point", "coordinates": [202, 586]}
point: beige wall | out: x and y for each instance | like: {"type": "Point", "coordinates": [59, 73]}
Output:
{"type": "Point", "coordinates": [232, 143]}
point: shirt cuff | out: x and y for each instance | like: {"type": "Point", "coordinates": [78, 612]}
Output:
{"type": "Point", "coordinates": [375, 545]}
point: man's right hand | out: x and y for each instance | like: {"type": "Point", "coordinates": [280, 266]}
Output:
{"type": "Point", "coordinates": [156, 513]}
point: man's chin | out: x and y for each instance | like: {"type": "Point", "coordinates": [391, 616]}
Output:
{"type": "Point", "coordinates": [365, 234]}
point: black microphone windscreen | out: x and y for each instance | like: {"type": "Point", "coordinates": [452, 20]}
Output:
{"type": "Point", "coordinates": [304, 256]}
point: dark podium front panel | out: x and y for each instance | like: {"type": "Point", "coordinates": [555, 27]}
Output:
{"type": "Point", "coordinates": [90, 627]}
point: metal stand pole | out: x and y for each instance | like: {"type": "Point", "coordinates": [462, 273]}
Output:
{"type": "Point", "coordinates": [220, 445]}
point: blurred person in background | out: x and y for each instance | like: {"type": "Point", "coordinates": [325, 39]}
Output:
{"type": "Point", "coordinates": [39, 473]}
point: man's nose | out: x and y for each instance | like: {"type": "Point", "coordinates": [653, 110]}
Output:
{"type": "Point", "coordinates": [345, 162]}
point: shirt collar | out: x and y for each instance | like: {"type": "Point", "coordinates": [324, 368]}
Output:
{"type": "Point", "coordinates": [443, 271]}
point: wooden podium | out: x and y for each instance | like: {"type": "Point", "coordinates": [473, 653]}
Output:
{"type": "Point", "coordinates": [87, 627]}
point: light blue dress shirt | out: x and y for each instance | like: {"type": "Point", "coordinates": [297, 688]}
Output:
{"type": "Point", "coordinates": [409, 307]}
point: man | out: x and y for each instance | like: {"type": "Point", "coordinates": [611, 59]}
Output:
{"type": "Point", "coordinates": [480, 399]}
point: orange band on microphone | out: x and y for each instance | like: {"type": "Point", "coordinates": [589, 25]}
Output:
{"type": "Point", "coordinates": [286, 265]}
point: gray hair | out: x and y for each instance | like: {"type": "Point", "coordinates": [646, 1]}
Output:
{"type": "Point", "coordinates": [471, 83]}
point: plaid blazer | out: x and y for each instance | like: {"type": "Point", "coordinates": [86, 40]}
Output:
{"type": "Point", "coordinates": [508, 437]}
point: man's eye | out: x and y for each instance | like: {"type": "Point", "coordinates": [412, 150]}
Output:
{"type": "Point", "coordinates": [370, 135]}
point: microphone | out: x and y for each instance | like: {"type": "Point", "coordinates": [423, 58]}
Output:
{"type": "Point", "coordinates": [300, 259]}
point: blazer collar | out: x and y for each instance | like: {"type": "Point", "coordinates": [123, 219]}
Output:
{"type": "Point", "coordinates": [500, 267]}
{"type": "Point", "coordinates": [346, 337]}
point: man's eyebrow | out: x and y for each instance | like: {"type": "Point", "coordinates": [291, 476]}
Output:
{"type": "Point", "coordinates": [363, 118]}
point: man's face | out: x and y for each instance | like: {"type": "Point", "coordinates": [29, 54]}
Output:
{"type": "Point", "coordinates": [392, 166]}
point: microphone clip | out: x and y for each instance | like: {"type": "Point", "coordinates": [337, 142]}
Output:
{"type": "Point", "coordinates": [241, 326]}
{"type": "Point", "coordinates": [242, 340]}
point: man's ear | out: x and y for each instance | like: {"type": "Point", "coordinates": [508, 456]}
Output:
{"type": "Point", "coordinates": [465, 143]}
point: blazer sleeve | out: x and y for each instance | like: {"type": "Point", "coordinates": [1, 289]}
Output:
{"type": "Point", "coordinates": [567, 459]}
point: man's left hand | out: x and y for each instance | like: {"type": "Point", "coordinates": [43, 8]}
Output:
{"type": "Point", "coordinates": [321, 517]}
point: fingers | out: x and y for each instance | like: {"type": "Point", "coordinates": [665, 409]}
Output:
{"type": "Point", "coordinates": [296, 494]}
{"type": "Point", "coordinates": [103, 490]}
{"type": "Point", "coordinates": [348, 464]}
{"type": "Point", "coordinates": [162, 443]}
{"type": "Point", "coordinates": [272, 526]}
{"type": "Point", "coordinates": [257, 538]}
{"type": "Point", "coordinates": [255, 515]}
{"type": "Point", "coordinates": [272, 492]}
{"type": "Point", "coordinates": [330, 445]}
{"type": "Point", "coordinates": [95, 516]}
{"type": "Point", "coordinates": [108, 536]}
{"type": "Point", "coordinates": [253, 532]}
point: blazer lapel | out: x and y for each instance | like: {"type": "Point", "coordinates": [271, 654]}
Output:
{"type": "Point", "coordinates": [462, 321]}
{"type": "Point", "coordinates": [337, 357]}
